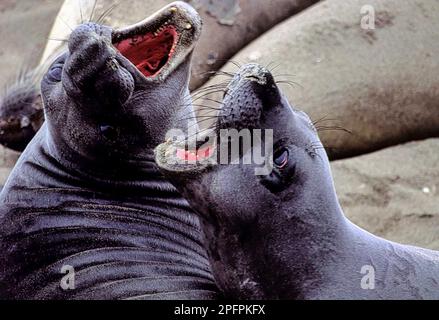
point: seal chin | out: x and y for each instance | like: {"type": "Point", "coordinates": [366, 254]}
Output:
{"type": "Point", "coordinates": [160, 43]}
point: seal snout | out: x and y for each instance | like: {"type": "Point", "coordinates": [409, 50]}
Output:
{"type": "Point", "coordinates": [251, 91]}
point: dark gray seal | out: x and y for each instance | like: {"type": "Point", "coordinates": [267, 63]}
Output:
{"type": "Point", "coordinates": [85, 197]}
{"type": "Point", "coordinates": [284, 235]}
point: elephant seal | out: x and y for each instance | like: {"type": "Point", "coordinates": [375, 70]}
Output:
{"type": "Point", "coordinates": [86, 200]}
{"type": "Point", "coordinates": [283, 235]}
{"type": "Point", "coordinates": [21, 112]}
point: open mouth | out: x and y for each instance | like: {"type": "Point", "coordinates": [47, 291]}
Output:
{"type": "Point", "coordinates": [150, 52]}
{"type": "Point", "coordinates": [188, 155]}
{"type": "Point", "coordinates": [158, 44]}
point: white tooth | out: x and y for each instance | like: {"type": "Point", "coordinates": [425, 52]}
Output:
{"type": "Point", "coordinates": [188, 26]}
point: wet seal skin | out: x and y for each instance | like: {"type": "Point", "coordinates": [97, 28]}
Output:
{"type": "Point", "coordinates": [86, 195]}
{"type": "Point", "coordinates": [284, 235]}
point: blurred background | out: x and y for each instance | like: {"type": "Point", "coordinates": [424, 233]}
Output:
{"type": "Point", "coordinates": [365, 71]}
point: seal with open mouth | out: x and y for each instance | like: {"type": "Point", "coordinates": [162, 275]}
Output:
{"type": "Point", "coordinates": [283, 235]}
{"type": "Point", "coordinates": [86, 196]}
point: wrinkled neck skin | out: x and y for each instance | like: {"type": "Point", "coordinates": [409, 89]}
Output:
{"type": "Point", "coordinates": [132, 172]}
{"type": "Point", "coordinates": [314, 252]}
{"type": "Point", "coordinates": [52, 164]}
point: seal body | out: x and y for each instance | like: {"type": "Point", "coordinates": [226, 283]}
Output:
{"type": "Point", "coordinates": [85, 213]}
{"type": "Point", "coordinates": [282, 234]}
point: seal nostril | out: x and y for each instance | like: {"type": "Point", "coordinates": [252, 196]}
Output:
{"type": "Point", "coordinates": [109, 132]}
{"type": "Point", "coordinates": [253, 77]}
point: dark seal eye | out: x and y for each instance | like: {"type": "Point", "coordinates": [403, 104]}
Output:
{"type": "Point", "coordinates": [280, 158]}
{"type": "Point", "coordinates": [109, 132]}
{"type": "Point", "coordinates": [283, 173]}
{"type": "Point", "coordinates": [55, 73]}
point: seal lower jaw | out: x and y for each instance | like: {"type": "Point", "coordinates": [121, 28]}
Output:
{"type": "Point", "coordinates": [160, 43]}
{"type": "Point", "coordinates": [176, 157]}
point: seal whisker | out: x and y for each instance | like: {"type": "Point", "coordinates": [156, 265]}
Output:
{"type": "Point", "coordinates": [80, 11]}
{"type": "Point", "coordinates": [205, 91]}
{"type": "Point", "coordinates": [196, 117]}
{"type": "Point", "coordinates": [217, 73]}
{"type": "Point", "coordinates": [65, 22]}
{"type": "Point", "coordinates": [213, 100]}
{"type": "Point", "coordinates": [221, 84]}
{"type": "Point", "coordinates": [285, 75]}
{"type": "Point", "coordinates": [332, 128]}
{"type": "Point", "coordinates": [202, 107]}
{"type": "Point", "coordinates": [107, 12]}
{"type": "Point", "coordinates": [203, 130]}
{"type": "Point", "coordinates": [90, 19]}
{"type": "Point", "coordinates": [235, 63]}
{"type": "Point", "coordinates": [206, 96]}
{"type": "Point", "coordinates": [274, 68]}
{"type": "Point", "coordinates": [291, 83]}
{"type": "Point", "coordinates": [324, 118]}
{"type": "Point", "coordinates": [59, 40]}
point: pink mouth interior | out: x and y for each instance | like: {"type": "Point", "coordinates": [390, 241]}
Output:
{"type": "Point", "coordinates": [149, 52]}
{"type": "Point", "coordinates": [200, 154]}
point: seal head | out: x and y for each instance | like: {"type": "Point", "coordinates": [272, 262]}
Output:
{"type": "Point", "coordinates": [232, 199]}
{"type": "Point", "coordinates": [281, 233]}
{"type": "Point", "coordinates": [118, 86]}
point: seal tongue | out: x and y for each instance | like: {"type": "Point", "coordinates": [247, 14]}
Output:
{"type": "Point", "coordinates": [188, 155]}
{"type": "Point", "coordinates": [151, 51]}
